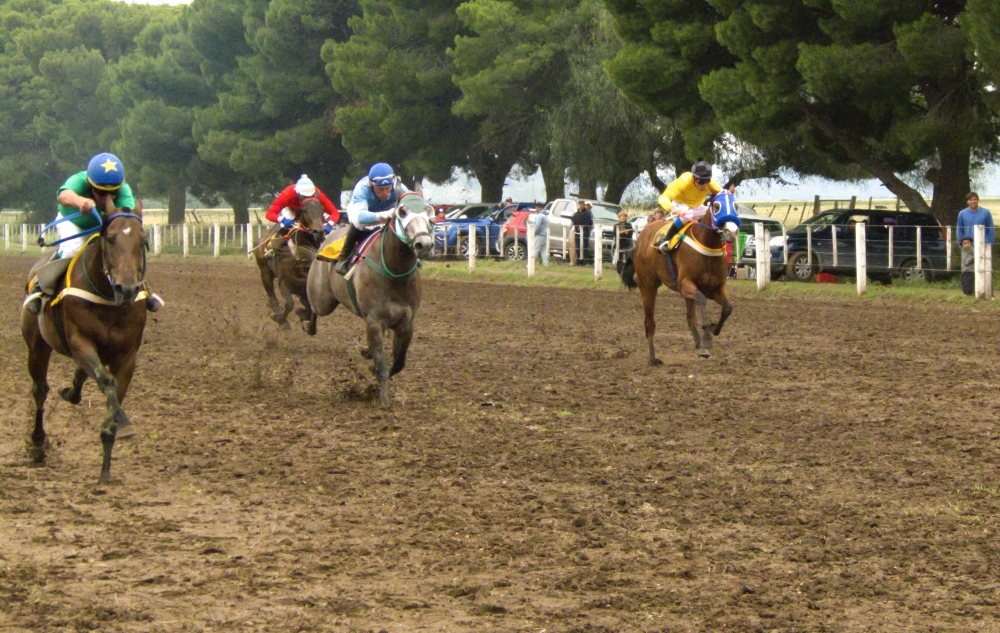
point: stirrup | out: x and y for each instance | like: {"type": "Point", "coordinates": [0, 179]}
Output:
{"type": "Point", "coordinates": [343, 266]}
{"type": "Point", "coordinates": [33, 303]}
{"type": "Point", "coordinates": [665, 247]}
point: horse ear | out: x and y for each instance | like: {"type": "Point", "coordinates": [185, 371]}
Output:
{"type": "Point", "coordinates": [138, 207]}
{"type": "Point", "coordinates": [417, 187]}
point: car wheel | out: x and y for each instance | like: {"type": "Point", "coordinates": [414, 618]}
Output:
{"type": "Point", "coordinates": [909, 271]}
{"type": "Point", "coordinates": [515, 251]}
{"type": "Point", "coordinates": [463, 247]}
{"type": "Point", "coordinates": [799, 268]}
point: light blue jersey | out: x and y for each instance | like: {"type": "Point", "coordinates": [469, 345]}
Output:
{"type": "Point", "coordinates": [364, 207]}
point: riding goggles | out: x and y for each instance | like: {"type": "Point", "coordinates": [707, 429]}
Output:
{"type": "Point", "coordinates": [381, 181]}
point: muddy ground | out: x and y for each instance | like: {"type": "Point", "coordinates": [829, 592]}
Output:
{"type": "Point", "coordinates": [833, 467]}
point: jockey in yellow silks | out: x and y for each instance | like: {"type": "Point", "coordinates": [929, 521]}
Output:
{"type": "Point", "coordinates": [685, 198]}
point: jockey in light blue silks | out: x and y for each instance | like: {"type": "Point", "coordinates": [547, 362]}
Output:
{"type": "Point", "coordinates": [372, 203]}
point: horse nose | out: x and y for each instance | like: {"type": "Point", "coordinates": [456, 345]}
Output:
{"type": "Point", "coordinates": [125, 293]}
{"type": "Point", "coordinates": [421, 243]}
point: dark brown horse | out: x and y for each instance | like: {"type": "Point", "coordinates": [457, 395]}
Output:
{"type": "Point", "coordinates": [384, 287]}
{"type": "Point", "coordinates": [290, 264]}
{"type": "Point", "coordinates": [98, 321]}
{"type": "Point", "coordinates": [698, 270]}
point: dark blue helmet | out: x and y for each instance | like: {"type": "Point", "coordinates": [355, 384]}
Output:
{"type": "Point", "coordinates": [105, 172]}
{"type": "Point", "coordinates": [381, 174]}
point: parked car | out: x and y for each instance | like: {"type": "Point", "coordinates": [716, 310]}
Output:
{"type": "Point", "coordinates": [451, 236]}
{"type": "Point", "coordinates": [801, 267]}
{"type": "Point", "coordinates": [560, 220]}
{"type": "Point", "coordinates": [468, 211]}
{"type": "Point", "coordinates": [747, 241]}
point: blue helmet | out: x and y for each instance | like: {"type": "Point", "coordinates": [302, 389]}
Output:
{"type": "Point", "coordinates": [105, 172]}
{"type": "Point", "coordinates": [381, 174]}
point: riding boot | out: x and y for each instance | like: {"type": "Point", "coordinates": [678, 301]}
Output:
{"type": "Point", "coordinates": [671, 232]}
{"type": "Point", "coordinates": [269, 251]}
{"type": "Point", "coordinates": [350, 241]}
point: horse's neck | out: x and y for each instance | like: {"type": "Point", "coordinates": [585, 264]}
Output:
{"type": "Point", "coordinates": [398, 256]}
{"type": "Point", "coordinates": [702, 231]}
{"type": "Point", "coordinates": [91, 265]}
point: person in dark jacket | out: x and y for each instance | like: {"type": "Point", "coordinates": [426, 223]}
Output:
{"type": "Point", "coordinates": [583, 220]}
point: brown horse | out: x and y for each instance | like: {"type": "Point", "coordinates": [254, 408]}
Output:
{"type": "Point", "coordinates": [290, 265]}
{"type": "Point", "coordinates": [696, 270]}
{"type": "Point", "coordinates": [98, 321]}
{"type": "Point", "coordinates": [384, 287]}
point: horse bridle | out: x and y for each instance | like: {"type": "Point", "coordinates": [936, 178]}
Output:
{"type": "Point", "coordinates": [104, 244]}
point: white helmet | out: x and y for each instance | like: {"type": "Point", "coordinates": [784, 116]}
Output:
{"type": "Point", "coordinates": [305, 187]}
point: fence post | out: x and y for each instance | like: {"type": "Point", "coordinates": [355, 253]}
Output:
{"type": "Point", "coordinates": [854, 201]}
{"type": "Point", "coordinates": [472, 249]}
{"type": "Point", "coordinates": [861, 257]}
{"type": "Point", "coordinates": [598, 233]}
{"type": "Point", "coordinates": [249, 234]}
{"type": "Point", "coordinates": [215, 240]}
{"type": "Point", "coordinates": [531, 249]}
{"type": "Point", "coordinates": [6, 237]}
{"type": "Point", "coordinates": [889, 262]}
{"type": "Point", "coordinates": [815, 208]}
{"type": "Point", "coordinates": [564, 242]}
{"type": "Point", "coordinates": [809, 245]}
{"type": "Point", "coordinates": [833, 235]}
{"type": "Point", "coordinates": [947, 246]}
{"type": "Point", "coordinates": [784, 246]}
{"type": "Point", "coordinates": [184, 240]}
{"type": "Point", "coordinates": [157, 240]}
{"type": "Point", "coordinates": [24, 238]}
{"type": "Point", "coordinates": [979, 253]}
{"type": "Point", "coordinates": [758, 235]}
{"type": "Point", "coordinates": [920, 256]}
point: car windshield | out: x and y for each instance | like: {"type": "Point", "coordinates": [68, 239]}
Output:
{"type": "Point", "coordinates": [607, 212]}
{"type": "Point", "coordinates": [823, 219]}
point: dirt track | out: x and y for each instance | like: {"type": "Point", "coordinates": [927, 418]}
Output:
{"type": "Point", "coordinates": [833, 467]}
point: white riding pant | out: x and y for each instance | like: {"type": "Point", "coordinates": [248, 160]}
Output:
{"type": "Point", "coordinates": [68, 230]}
{"type": "Point", "coordinates": [686, 213]}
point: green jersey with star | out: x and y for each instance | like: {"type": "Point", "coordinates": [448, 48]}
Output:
{"type": "Point", "coordinates": [78, 184]}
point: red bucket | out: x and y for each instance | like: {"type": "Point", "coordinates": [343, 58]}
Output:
{"type": "Point", "coordinates": [826, 278]}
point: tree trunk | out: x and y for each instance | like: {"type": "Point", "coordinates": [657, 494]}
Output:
{"type": "Point", "coordinates": [554, 176]}
{"type": "Point", "coordinates": [176, 202]}
{"type": "Point", "coordinates": [241, 205]}
{"type": "Point", "coordinates": [587, 188]}
{"type": "Point", "coordinates": [491, 172]}
{"type": "Point", "coordinates": [617, 181]}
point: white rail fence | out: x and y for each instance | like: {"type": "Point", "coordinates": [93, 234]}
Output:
{"type": "Point", "coordinates": [874, 251]}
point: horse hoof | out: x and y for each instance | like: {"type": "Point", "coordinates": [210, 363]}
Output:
{"type": "Point", "coordinates": [704, 353]}
{"type": "Point", "coordinates": [284, 325]}
{"type": "Point", "coordinates": [310, 329]}
{"type": "Point", "coordinates": [655, 362]}
{"type": "Point", "coordinates": [67, 394]}
{"type": "Point", "coordinates": [366, 353]}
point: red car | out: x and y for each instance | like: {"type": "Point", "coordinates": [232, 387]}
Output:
{"type": "Point", "coordinates": [514, 235]}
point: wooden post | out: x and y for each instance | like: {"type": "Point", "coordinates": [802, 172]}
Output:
{"type": "Point", "coordinates": [249, 234]}
{"type": "Point", "coordinates": [815, 207]}
{"type": "Point", "coordinates": [947, 246]}
{"type": "Point", "coordinates": [784, 246]}
{"type": "Point", "coordinates": [24, 238]}
{"type": "Point", "coordinates": [531, 250]}
{"type": "Point", "coordinates": [598, 233]}
{"type": "Point", "coordinates": [157, 240]}
{"type": "Point", "coordinates": [920, 256]}
{"type": "Point", "coordinates": [184, 240]}
{"type": "Point", "coordinates": [215, 240]}
{"type": "Point", "coordinates": [979, 253]}
{"type": "Point", "coordinates": [6, 237]}
{"type": "Point", "coordinates": [889, 262]}
{"type": "Point", "coordinates": [758, 235]}
{"type": "Point", "coordinates": [833, 234]}
{"type": "Point", "coordinates": [854, 202]}
{"type": "Point", "coordinates": [809, 244]}
{"type": "Point", "coordinates": [861, 257]}
{"type": "Point", "coordinates": [472, 249]}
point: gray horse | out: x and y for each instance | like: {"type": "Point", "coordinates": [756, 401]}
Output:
{"type": "Point", "coordinates": [383, 288]}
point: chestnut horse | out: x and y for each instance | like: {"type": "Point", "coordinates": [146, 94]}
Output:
{"type": "Point", "coordinates": [97, 320]}
{"type": "Point", "coordinates": [290, 265]}
{"type": "Point", "coordinates": [697, 269]}
{"type": "Point", "coordinates": [383, 288]}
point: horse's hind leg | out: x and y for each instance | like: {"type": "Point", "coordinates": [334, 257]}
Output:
{"type": "Point", "coordinates": [721, 296]}
{"type": "Point", "coordinates": [649, 309]}
{"type": "Point", "coordinates": [306, 316]}
{"type": "Point", "coordinates": [39, 354]}
{"type": "Point", "coordinates": [281, 317]}
{"type": "Point", "coordinates": [267, 278]}
{"type": "Point", "coordinates": [378, 355]}
{"type": "Point", "coordinates": [72, 394]}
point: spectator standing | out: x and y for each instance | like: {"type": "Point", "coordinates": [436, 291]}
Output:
{"type": "Point", "coordinates": [624, 230]}
{"type": "Point", "coordinates": [971, 216]}
{"type": "Point", "coordinates": [582, 221]}
{"type": "Point", "coordinates": [541, 233]}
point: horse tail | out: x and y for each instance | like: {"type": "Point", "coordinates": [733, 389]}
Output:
{"type": "Point", "coordinates": [628, 272]}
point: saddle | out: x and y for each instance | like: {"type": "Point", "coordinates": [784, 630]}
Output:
{"type": "Point", "coordinates": [334, 243]}
{"type": "Point", "coordinates": [52, 277]}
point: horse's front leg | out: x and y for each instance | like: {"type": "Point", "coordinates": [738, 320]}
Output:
{"type": "Point", "coordinates": [378, 356]}
{"type": "Point", "coordinates": [721, 297]}
{"type": "Point", "coordinates": [281, 318]}
{"type": "Point", "coordinates": [267, 278]}
{"type": "Point", "coordinates": [401, 338]}
{"type": "Point", "coordinates": [690, 293]}
{"type": "Point", "coordinates": [87, 359]}
{"type": "Point", "coordinates": [72, 394]}
{"type": "Point", "coordinates": [706, 325]}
